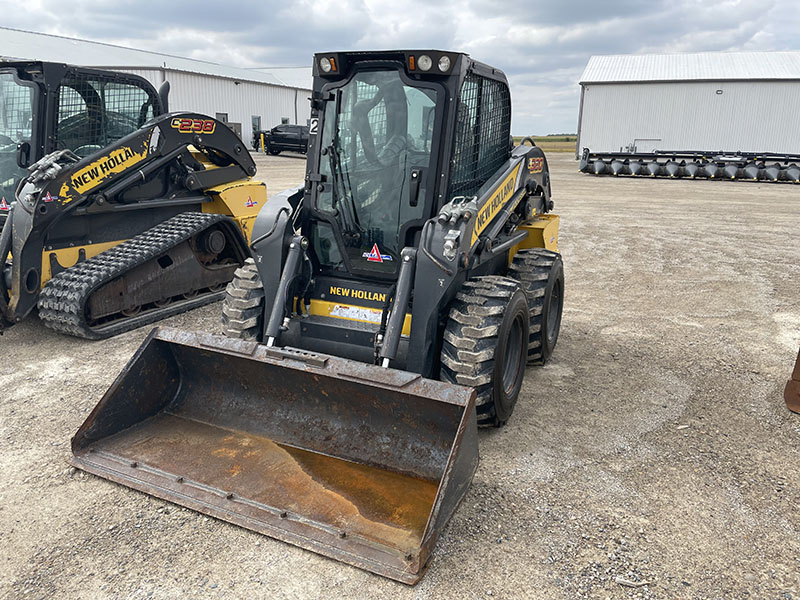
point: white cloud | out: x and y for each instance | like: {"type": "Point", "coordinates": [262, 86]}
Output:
{"type": "Point", "coordinates": [543, 48]}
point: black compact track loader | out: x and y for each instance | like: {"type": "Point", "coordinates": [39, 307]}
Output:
{"type": "Point", "coordinates": [114, 214]}
{"type": "Point", "coordinates": [132, 219]}
{"type": "Point", "coordinates": [390, 306]}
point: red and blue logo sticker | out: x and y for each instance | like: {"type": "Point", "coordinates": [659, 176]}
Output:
{"type": "Point", "coordinates": [4, 205]}
{"type": "Point", "coordinates": [250, 202]}
{"type": "Point", "coordinates": [375, 255]}
{"type": "Point", "coordinates": [49, 198]}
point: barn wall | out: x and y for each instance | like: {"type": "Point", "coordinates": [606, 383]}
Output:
{"type": "Point", "coordinates": [240, 101]}
{"type": "Point", "coordinates": [752, 116]}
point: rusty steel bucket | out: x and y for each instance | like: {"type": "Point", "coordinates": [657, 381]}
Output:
{"type": "Point", "coordinates": [359, 463]}
{"type": "Point", "coordinates": [792, 391]}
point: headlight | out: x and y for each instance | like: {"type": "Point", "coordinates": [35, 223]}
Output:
{"type": "Point", "coordinates": [424, 62]}
{"type": "Point", "coordinates": [325, 65]}
{"type": "Point", "coordinates": [444, 63]}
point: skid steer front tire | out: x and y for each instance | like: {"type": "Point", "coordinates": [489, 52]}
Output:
{"type": "Point", "coordinates": [243, 305]}
{"type": "Point", "coordinates": [540, 273]}
{"type": "Point", "coordinates": [484, 345]}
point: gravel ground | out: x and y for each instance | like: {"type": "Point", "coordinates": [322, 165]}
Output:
{"type": "Point", "coordinates": [654, 450]}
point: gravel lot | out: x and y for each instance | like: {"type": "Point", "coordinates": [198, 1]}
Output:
{"type": "Point", "coordinates": [655, 447]}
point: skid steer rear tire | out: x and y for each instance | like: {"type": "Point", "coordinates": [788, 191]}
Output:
{"type": "Point", "coordinates": [243, 305]}
{"type": "Point", "coordinates": [540, 272]}
{"type": "Point", "coordinates": [484, 345]}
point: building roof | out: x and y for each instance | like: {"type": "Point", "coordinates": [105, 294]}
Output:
{"type": "Point", "coordinates": [299, 77]}
{"type": "Point", "coordinates": [28, 45]}
{"type": "Point", "coordinates": [715, 66]}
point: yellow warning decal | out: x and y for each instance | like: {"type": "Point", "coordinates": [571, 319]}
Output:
{"type": "Point", "coordinates": [496, 201]}
{"type": "Point", "coordinates": [351, 312]}
{"type": "Point", "coordinates": [95, 173]}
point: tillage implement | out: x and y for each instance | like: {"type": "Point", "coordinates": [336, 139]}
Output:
{"type": "Point", "coordinates": [105, 239]}
{"type": "Point", "coordinates": [717, 166]}
{"type": "Point", "coordinates": [390, 305]}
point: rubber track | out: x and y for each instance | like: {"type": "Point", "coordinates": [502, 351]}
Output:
{"type": "Point", "coordinates": [63, 299]}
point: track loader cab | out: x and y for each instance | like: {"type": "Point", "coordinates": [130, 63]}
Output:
{"type": "Point", "coordinates": [46, 107]}
{"type": "Point", "coordinates": [390, 306]}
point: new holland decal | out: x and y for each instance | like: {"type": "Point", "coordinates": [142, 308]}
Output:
{"type": "Point", "coordinates": [99, 172]}
{"type": "Point", "coordinates": [95, 173]}
{"type": "Point", "coordinates": [495, 202]}
{"type": "Point", "coordinates": [344, 292]}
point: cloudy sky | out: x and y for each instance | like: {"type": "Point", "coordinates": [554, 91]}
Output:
{"type": "Point", "coordinates": [543, 46]}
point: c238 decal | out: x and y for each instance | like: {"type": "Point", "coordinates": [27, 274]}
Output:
{"type": "Point", "coordinates": [193, 125]}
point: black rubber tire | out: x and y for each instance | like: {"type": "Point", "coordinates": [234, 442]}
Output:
{"type": "Point", "coordinates": [243, 305]}
{"type": "Point", "coordinates": [271, 150]}
{"type": "Point", "coordinates": [484, 345]}
{"type": "Point", "coordinates": [540, 272]}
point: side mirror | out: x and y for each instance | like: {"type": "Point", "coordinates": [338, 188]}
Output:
{"type": "Point", "coordinates": [23, 155]}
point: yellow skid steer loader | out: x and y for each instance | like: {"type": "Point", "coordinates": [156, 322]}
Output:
{"type": "Point", "coordinates": [390, 306]}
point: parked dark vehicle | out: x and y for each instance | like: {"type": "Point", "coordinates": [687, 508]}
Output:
{"type": "Point", "coordinates": [286, 137]}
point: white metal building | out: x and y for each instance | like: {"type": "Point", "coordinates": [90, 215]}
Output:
{"type": "Point", "coordinates": [729, 101]}
{"type": "Point", "coordinates": [247, 97]}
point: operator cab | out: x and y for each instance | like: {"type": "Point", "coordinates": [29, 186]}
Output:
{"type": "Point", "coordinates": [380, 144]}
{"type": "Point", "coordinates": [48, 106]}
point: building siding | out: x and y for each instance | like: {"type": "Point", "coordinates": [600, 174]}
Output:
{"type": "Point", "coordinates": [240, 101]}
{"type": "Point", "coordinates": [750, 116]}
